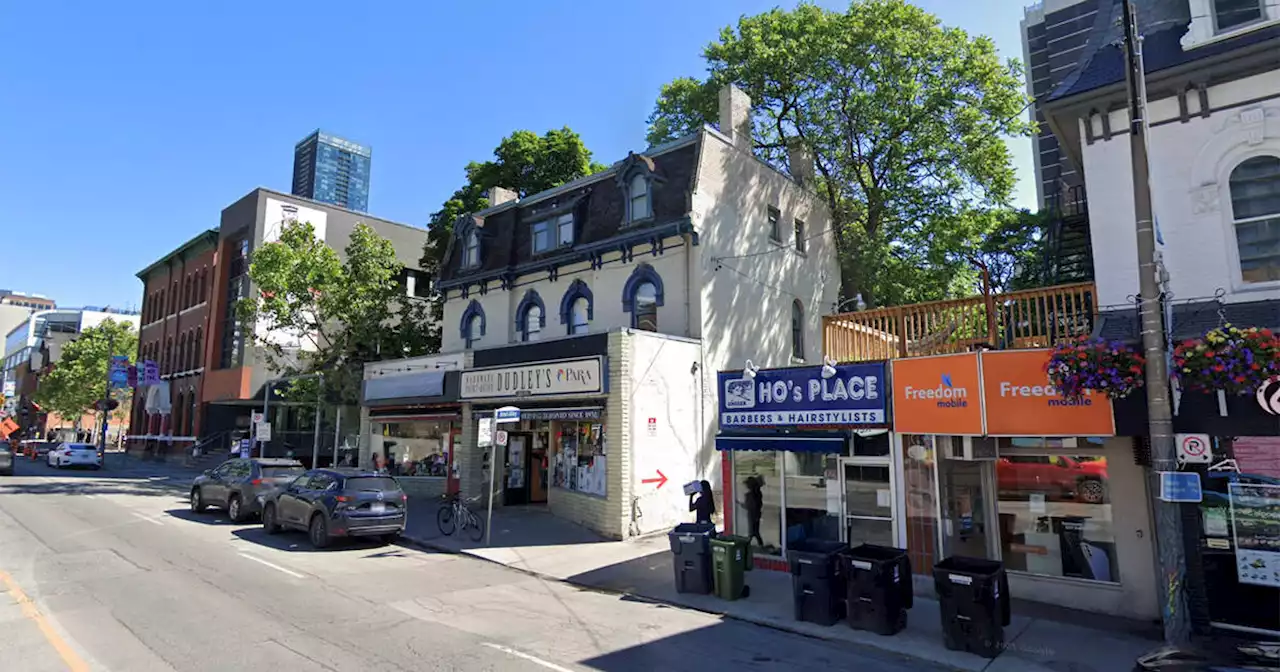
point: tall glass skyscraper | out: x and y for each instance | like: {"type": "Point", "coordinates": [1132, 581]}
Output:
{"type": "Point", "coordinates": [329, 169]}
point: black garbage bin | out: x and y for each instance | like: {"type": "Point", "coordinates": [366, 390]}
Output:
{"type": "Point", "coordinates": [691, 556]}
{"type": "Point", "coordinates": [817, 584]}
{"type": "Point", "coordinates": [973, 595]}
{"type": "Point", "coordinates": [879, 588]}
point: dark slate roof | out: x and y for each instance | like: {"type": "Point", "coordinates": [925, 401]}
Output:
{"type": "Point", "coordinates": [598, 204]}
{"type": "Point", "coordinates": [1192, 319]}
{"type": "Point", "coordinates": [1162, 24]}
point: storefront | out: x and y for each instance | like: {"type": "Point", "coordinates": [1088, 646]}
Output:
{"type": "Point", "coordinates": [808, 455]}
{"type": "Point", "coordinates": [998, 465]}
{"type": "Point", "coordinates": [413, 423]}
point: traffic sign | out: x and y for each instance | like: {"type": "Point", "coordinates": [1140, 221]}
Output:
{"type": "Point", "coordinates": [507, 414]}
{"type": "Point", "coordinates": [1194, 448]}
{"type": "Point", "coordinates": [1180, 486]}
{"type": "Point", "coordinates": [500, 437]}
{"type": "Point", "coordinates": [264, 431]}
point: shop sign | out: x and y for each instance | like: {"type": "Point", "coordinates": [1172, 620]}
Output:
{"type": "Point", "coordinates": [569, 376]}
{"type": "Point", "coordinates": [1019, 399]}
{"type": "Point", "coordinates": [1257, 455]}
{"type": "Point", "coordinates": [938, 395]}
{"type": "Point", "coordinates": [1255, 514]}
{"type": "Point", "coordinates": [506, 414]}
{"type": "Point", "coordinates": [1269, 396]}
{"type": "Point", "coordinates": [562, 414]}
{"type": "Point", "coordinates": [855, 395]}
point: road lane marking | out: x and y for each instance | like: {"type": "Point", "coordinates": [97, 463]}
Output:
{"type": "Point", "coordinates": [524, 656]}
{"type": "Point", "coordinates": [147, 518]}
{"type": "Point", "coordinates": [69, 656]}
{"type": "Point", "coordinates": [272, 565]}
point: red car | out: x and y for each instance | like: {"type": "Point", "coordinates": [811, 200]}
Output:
{"type": "Point", "coordinates": [1056, 476]}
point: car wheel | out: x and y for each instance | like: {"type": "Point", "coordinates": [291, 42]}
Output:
{"type": "Point", "coordinates": [269, 524]}
{"type": "Point", "coordinates": [1091, 491]}
{"type": "Point", "coordinates": [319, 531]}
{"type": "Point", "coordinates": [234, 510]}
{"type": "Point", "coordinates": [197, 501]}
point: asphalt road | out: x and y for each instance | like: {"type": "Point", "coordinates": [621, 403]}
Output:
{"type": "Point", "coordinates": [110, 571]}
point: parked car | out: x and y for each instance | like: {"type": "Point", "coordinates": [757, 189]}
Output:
{"type": "Point", "coordinates": [6, 459]}
{"type": "Point", "coordinates": [75, 455]}
{"type": "Point", "coordinates": [329, 503]}
{"type": "Point", "coordinates": [240, 485]}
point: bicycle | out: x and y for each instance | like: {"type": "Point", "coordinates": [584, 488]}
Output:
{"type": "Point", "coordinates": [454, 514]}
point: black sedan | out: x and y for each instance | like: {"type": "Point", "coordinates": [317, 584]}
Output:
{"type": "Point", "coordinates": [241, 484]}
{"type": "Point", "coordinates": [328, 503]}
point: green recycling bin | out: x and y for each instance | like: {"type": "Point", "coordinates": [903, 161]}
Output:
{"type": "Point", "coordinates": [730, 559]}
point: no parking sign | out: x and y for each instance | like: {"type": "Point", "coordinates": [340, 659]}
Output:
{"type": "Point", "coordinates": [1194, 448]}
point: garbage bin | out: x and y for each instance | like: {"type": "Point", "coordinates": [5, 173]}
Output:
{"type": "Point", "coordinates": [973, 595]}
{"type": "Point", "coordinates": [730, 559]}
{"type": "Point", "coordinates": [691, 556]}
{"type": "Point", "coordinates": [879, 588]}
{"type": "Point", "coordinates": [817, 584]}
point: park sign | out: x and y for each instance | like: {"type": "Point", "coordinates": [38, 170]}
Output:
{"type": "Point", "coordinates": [854, 396]}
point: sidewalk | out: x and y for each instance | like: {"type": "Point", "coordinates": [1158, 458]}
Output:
{"type": "Point", "coordinates": [534, 541]}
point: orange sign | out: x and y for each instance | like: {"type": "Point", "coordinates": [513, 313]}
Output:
{"type": "Point", "coordinates": [8, 427]}
{"type": "Point", "coordinates": [937, 395]}
{"type": "Point", "coordinates": [1020, 400]}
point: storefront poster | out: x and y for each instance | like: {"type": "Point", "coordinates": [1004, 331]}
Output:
{"type": "Point", "coordinates": [1257, 455]}
{"type": "Point", "coordinates": [1255, 516]}
{"type": "Point", "coordinates": [568, 376]}
{"type": "Point", "coordinates": [938, 395]}
{"type": "Point", "coordinates": [855, 395]}
{"type": "Point", "coordinates": [1019, 399]}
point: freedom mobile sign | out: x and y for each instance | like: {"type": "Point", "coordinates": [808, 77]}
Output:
{"type": "Point", "coordinates": [993, 393]}
{"type": "Point", "coordinates": [854, 395]}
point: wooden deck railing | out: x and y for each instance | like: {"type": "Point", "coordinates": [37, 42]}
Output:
{"type": "Point", "coordinates": [1029, 318]}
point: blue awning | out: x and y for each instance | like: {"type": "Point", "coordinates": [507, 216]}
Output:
{"type": "Point", "coordinates": [796, 443]}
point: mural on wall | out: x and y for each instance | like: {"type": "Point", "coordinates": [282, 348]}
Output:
{"type": "Point", "coordinates": [666, 436]}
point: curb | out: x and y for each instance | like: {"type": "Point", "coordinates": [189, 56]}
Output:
{"type": "Point", "coordinates": [780, 627]}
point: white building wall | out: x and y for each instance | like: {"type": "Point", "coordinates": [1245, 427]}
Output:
{"type": "Point", "coordinates": [1190, 166]}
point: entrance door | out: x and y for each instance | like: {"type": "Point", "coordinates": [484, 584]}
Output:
{"type": "Point", "coordinates": [870, 504]}
{"type": "Point", "coordinates": [967, 494]}
{"type": "Point", "coordinates": [517, 471]}
{"type": "Point", "coordinates": [538, 469]}
{"type": "Point", "coordinates": [451, 483]}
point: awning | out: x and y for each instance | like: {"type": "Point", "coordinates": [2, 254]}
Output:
{"type": "Point", "coordinates": [421, 384]}
{"type": "Point", "coordinates": [415, 417]}
{"type": "Point", "coordinates": [827, 442]}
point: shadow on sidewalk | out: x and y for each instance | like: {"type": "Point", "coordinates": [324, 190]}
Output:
{"type": "Point", "coordinates": [513, 527]}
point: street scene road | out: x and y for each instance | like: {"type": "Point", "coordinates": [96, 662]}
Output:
{"type": "Point", "coordinates": [110, 570]}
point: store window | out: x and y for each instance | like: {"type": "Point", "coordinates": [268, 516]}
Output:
{"type": "Point", "coordinates": [758, 494]}
{"type": "Point", "coordinates": [580, 462]}
{"type": "Point", "coordinates": [1055, 512]}
{"type": "Point", "coordinates": [414, 448]}
{"type": "Point", "coordinates": [813, 496]}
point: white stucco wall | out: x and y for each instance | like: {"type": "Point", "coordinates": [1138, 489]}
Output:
{"type": "Point", "coordinates": [1190, 165]}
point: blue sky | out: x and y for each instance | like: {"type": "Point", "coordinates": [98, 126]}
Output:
{"type": "Point", "coordinates": [129, 126]}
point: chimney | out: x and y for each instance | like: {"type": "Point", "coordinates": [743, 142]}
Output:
{"type": "Point", "coordinates": [735, 116]}
{"type": "Point", "coordinates": [800, 161]}
{"type": "Point", "coordinates": [500, 195]}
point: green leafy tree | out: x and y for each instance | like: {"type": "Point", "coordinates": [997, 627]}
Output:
{"type": "Point", "coordinates": [315, 312]}
{"type": "Point", "coordinates": [1014, 249]}
{"type": "Point", "coordinates": [78, 378]}
{"type": "Point", "coordinates": [904, 117]}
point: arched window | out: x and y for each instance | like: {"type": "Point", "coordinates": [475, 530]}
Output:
{"type": "Point", "coordinates": [531, 316]}
{"type": "Point", "coordinates": [181, 357]}
{"type": "Point", "coordinates": [168, 356]}
{"type": "Point", "coordinates": [472, 324]}
{"type": "Point", "coordinates": [797, 329]}
{"type": "Point", "coordinates": [471, 253]}
{"type": "Point", "coordinates": [175, 297]}
{"type": "Point", "coordinates": [638, 205]}
{"type": "Point", "coordinates": [198, 357]}
{"type": "Point", "coordinates": [191, 415]}
{"type": "Point", "coordinates": [203, 286]}
{"type": "Point", "coordinates": [577, 308]}
{"type": "Point", "coordinates": [177, 415]}
{"type": "Point", "coordinates": [642, 295]}
{"type": "Point", "coordinates": [1255, 211]}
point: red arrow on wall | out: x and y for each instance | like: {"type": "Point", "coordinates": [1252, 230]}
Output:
{"type": "Point", "coordinates": [660, 480]}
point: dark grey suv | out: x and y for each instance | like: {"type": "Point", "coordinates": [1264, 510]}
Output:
{"type": "Point", "coordinates": [329, 503]}
{"type": "Point", "coordinates": [6, 458]}
{"type": "Point", "coordinates": [239, 485]}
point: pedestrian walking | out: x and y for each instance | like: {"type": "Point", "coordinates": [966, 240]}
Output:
{"type": "Point", "coordinates": [702, 503]}
{"type": "Point", "coordinates": [753, 502]}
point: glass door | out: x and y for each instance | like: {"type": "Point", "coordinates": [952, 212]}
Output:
{"type": "Point", "coordinates": [869, 502]}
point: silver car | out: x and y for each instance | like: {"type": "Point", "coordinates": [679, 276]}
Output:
{"type": "Point", "coordinates": [6, 459]}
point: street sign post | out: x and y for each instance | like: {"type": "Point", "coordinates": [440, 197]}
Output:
{"type": "Point", "coordinates": [264, 432]}
{"type": "Point", "coordinates": [504, 414]}
{"type": "Point", "coordinates": [1180, 486]}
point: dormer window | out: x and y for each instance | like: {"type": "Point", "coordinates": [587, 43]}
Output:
{"type": "Point", "coordinates": [553, 232]}
{"type": "Point", "coordinates": [471, 253]}
{"type": "Point", "coordinates": [1231, 14]}
{"type": "Point", "coordinates": [638, 206]}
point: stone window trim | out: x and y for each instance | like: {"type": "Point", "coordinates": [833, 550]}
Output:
{"type": "Point", "coordinates": [466, 230]}
{"type": "Point", "coordinates": [637, 165]}
{"type": "Point", "coordinates": [577, 290]}
{"type": "Point", "coordinates": [643, 273]}
{"type": "Point", "coordinates": [797, 330]}
{"type": "Point", "coordinates": [531, 298]}
{"type": "Point", "coordinates": [1232, 221]}
{"type": "Point", "coordinates": [555, 243]}
{"type": "Point", "coordinates": [473, 311]}
{"type": "Point", "coordinates": [1204, 23]}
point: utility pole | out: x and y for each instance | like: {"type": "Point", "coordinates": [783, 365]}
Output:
{"type": "Point", "coordinates": [1168, 521]}
{"type": "Point", "coordinates": [106, 401]}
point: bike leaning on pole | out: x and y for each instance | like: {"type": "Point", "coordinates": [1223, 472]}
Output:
{"type": "Point", "coordinates": [456, 516]}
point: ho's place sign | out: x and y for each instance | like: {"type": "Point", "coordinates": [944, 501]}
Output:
{"type": "Point", "coordinates": [855, 395]}
{"type": "Point", "coordinates": [567, 376]}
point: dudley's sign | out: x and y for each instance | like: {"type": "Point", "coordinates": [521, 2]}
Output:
{"type": "Point", "coordinates": [855, 395]}
{"type": "Point", "coordinates": [569, 376]}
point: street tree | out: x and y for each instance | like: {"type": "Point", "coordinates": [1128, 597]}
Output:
{"type": "Point", "coordinates": [78, 379]}
{"type": "Point", "coordinates": [311, 311]}
{"type": "Point", "coordinates": [904, 117]}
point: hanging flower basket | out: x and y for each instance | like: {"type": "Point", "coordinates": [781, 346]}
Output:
{"type": "Point", "coordinates": [1228, 358]}
{"type": "Point", "coordinates": [1095, 365]}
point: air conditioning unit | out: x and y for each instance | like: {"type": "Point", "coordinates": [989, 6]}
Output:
{"type": "Point", "coordinates": [973, 448]}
